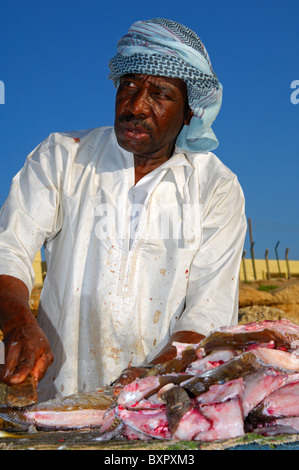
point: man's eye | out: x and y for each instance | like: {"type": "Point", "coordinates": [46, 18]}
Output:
{"type": "Point", "coordinates": [161, 95]}
{"type": "Point", "coordinates": [129, 84]}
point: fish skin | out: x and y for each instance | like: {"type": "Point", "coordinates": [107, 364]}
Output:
{"type": "Point", "coordinates": [282, 332]}
{"type": "Point", "coordinates": [278, 426]}
{"type": "Point", "coordinates": [177, 404]}
{"type": "Point", "coordinates": [23, 394]}
{"type": "Point", "coordinates": [78, 411]}
{"type": "Point", "coordinates": [240, 366]}
{"type": "Point", "coordinates": [177, 364]}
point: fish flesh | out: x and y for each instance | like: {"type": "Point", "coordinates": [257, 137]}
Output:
{"type": "Point", "coordinates": [212, 360]}
{"type": "Point", "coordinates": [146, 386]}
{"type": "Point", "coordinates": [283, 402]}
{"type": "Point", "coordinates": [222, 392]}
{"type": "Point", "coordinates": [79, 411]}
{"type": "Point", "coordinates": [183, 418]}
{"type": "Point", "coordinates": [152, 422]}
{"type": "Point", "coordinates": [226, 418]}
{"type": "Point", "coordinates": [238, 379]}
{"type": "Point", "coordinates": [259, 385]}
{"type": "Point", "coordinates": [231, 376]}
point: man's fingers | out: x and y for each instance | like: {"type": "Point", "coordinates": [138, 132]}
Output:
{"type": "Point", "coordinates": [12, 355]}
{"type": "Point", "coordinates": [19, 362]}
{"type": "Point", "coordinates": [42, 364]}
{"type": "Point", "coordinates": [24, 366]}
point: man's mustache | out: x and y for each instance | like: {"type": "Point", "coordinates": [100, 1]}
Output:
{"type": "Point", "coordinates": [135, 121]}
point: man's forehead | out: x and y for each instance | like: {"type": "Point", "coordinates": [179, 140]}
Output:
{"type": "Point", "coordinates": [157, 80]}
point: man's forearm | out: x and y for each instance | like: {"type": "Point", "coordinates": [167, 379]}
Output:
{"type": "Point", "coordinates": [14, 303]}
{"type": "Point", "coordinates": [169, 351]}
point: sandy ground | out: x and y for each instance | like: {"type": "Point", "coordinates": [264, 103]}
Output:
{"type": "Point", "coordinates": [281, 301]}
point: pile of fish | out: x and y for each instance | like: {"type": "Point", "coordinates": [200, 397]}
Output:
{"type": "Point", "coordinates": [239, 379]}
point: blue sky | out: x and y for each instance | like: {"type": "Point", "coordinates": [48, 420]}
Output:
{"type": "Point", "coordinates": [54, 65]}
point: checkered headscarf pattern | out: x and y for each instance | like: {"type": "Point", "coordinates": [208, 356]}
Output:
{"type": "Point", "coordinates": [166, 48]}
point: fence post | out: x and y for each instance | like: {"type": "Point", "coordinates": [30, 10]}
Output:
{"type": "Point", "coordinates": [251, 248]}
{"type": "Point", "coordinates": [287, 261]}
{"type": "Point", "coordinates": [267, 264]}
{"type": "Point", "coordinates": [244, 267]}
{"type": "Point", "coordinates": [276, 252]}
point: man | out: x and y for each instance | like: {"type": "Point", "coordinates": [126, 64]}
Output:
{"type": "Point", "coordinates": [143, 226]}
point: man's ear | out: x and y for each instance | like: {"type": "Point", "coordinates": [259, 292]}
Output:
{"type": "Point", "coordinates": [188, 117]}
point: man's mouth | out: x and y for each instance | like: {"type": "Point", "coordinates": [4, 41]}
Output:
{"type": "Point", "coordinates": [134, 132]}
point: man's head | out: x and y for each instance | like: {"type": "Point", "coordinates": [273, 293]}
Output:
{"type": "Point", "coordinates": [169, 51]}
{"type": "Point", "coordinates": [150, 113]}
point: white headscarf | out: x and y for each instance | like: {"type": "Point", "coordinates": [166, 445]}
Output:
{"type": "Point", "coordinates": [166, 48]}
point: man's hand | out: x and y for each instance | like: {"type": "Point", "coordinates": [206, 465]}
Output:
{"type": "Point", "coordinates": [27, 349]}
{"type": "Point", "coordinates": [167, 353]}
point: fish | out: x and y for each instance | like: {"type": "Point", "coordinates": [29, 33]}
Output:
{"type": "Point", "coordinates": [184, 420]}
{"type": "Point", "coordinates": [281, 403]}
{"type": "Point", "coordinates": [146, 386]}
{"type": "Point", "coordinates": [238, 379]}
{"type": "Point", "coordinates": [177, 364]}
{"type": "Point", "coordinates": [177, 404]}
{"type": "Point", "coordinates": [278, 426]}
{"type": "Point", "coordinates": [221, 392]}
{"type": "Point", "coordinates": [77, 411]}
{"type": "Point", "coordinates": [20, 395]}
{"type": "Point", "coordinates": [283, 333]}
{"type": "Point", "coordinates": [210, 361]}
{"type": "Point", "coordinates": [240, 366]}
{"type": "Point", "coordinates": [151, 422]}
{"type": "Point", "coordinates": [259, 385]}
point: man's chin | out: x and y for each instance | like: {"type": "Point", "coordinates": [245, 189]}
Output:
{"type": "Point", "coordinates": [134, 143]}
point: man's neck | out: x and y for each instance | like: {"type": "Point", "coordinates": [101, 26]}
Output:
{"type": "Point", "coordinates": [145, 164]}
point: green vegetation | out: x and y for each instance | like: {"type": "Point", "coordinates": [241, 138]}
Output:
{"type": "Point", "coordinates": [267, 288]}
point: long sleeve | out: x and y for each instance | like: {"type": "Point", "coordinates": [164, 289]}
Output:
{"type": "Point", "coordinates": [212, 293]}
{"type": "Point", "coordinates": [29, 214]}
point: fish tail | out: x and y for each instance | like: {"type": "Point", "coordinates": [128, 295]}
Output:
{"type": "Point", "coordinates": [15, 416]}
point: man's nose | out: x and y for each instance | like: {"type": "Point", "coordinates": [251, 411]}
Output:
{"type": "Point", "coordinates": [140, 104]}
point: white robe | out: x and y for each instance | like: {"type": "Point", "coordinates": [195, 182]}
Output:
{"type": "Point", "coordinates": [112, 295]}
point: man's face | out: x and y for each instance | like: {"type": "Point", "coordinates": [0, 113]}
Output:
{"type": "Point", "coordinates": [150, 113]}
